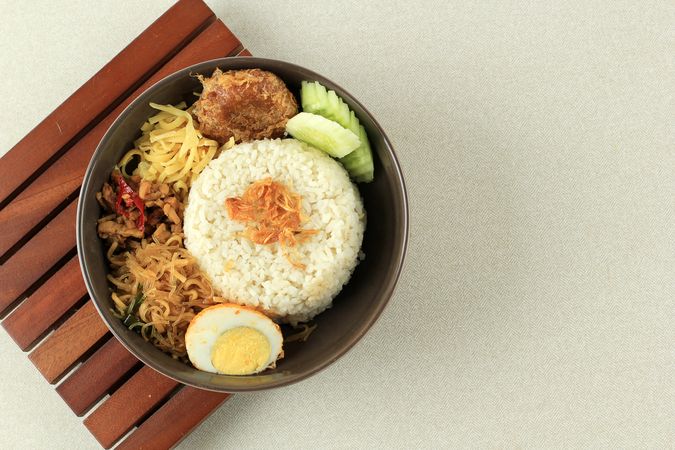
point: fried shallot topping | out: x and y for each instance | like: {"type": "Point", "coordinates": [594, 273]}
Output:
{"type": "Point", "coordinates": [272, 213]}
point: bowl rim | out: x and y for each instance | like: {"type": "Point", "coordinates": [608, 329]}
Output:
{"type": "Point", "coordinates": [344, 346]}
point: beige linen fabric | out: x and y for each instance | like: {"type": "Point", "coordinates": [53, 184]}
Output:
{"type": "Point", "coordinates": [537, 140]}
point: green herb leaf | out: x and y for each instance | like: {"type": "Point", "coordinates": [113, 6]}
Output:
{"type": "Point", "coordinates": [136, 301]}
{"type": "Point", "coordinates": [135, 324]}
{"type": "Point", "coordinates": [131, 320]}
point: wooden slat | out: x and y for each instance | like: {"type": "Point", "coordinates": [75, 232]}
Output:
{"type": "Point", "coordinates": [69, 342]}
{"type": "Point", "coordinates": [103, 91]}
{"type": "Point", "coordinates": [31, 207]}
{"type": "Point", "coordinates": [39, 179]}
{"type": "Point", "coordinates": [46, 305]}
{"type": "Point", "coordinates": [37, 256]}
{"type": "Point", "coordinates": [65, 175]}
{"type": "Point", "coordinates": [96, 376]}
{"type": "Point", "coordinates": [170, 424]}
{"type": "Point", "coordinates": [130, 403]}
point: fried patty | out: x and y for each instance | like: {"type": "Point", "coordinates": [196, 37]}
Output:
{"type": "Point", "coordinates": [245, 104]}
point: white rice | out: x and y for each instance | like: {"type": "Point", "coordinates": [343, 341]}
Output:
{"type": "Point", "coordinates": [260, 275]}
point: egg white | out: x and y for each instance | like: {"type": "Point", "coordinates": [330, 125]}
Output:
{"type": "Point", "coordinates": [212, 322]}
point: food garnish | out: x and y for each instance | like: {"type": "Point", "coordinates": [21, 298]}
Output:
{"type": "Point", "coordinates": [126, 195]}
{"type": "Point", "coordinates": [131, 320]}
{"type": "Point", "coordinates": [272, 214]}
{"type": "Point", "coordinates": [359, 163]}
{"type": "Point", "coordinates": [317, 100]}
{"type": "Point", "coordinates": [322, 133]}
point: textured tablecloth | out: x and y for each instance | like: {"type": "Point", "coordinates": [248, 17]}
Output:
{"type": "Point", "coordinates": [537, 140]}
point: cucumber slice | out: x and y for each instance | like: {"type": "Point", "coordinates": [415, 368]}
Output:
{"type": "Point", "coordinates": [359, 163]}
{"type": "Point", "coordinates": [317, 100]}
{"type": "Point", "coordinates": [308, 96]}
{"type": "Point", "coordinates": [321, 105]}
{"type": "Point", "coordinates": [338, 110]}
{"type": "Point", "coordinates": [353, 123]}
{"type": "Point", "coordinates": [323, 134]}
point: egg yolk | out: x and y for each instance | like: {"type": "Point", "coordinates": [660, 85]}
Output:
{"type": "Point", "coordinates": [240, 351]}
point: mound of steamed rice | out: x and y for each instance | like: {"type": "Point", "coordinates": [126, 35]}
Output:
{"type": "Point", "coordinates": [260, 275]}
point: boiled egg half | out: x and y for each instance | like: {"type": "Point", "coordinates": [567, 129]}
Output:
{"type": "Point", "coordinates": [233, 340]}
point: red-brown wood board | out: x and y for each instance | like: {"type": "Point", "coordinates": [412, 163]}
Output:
{"type": "Point", "coordinates": [43, 300]}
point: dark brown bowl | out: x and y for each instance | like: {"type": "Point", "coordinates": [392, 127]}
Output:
{"type": "Point", "coordinates": [354, 310]}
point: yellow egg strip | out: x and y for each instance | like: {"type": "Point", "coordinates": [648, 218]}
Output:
{"type": "Point", "coordinates": [171, 148]}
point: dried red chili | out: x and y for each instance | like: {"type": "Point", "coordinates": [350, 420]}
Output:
{"type": "Point", "coordinates": [131, 198]}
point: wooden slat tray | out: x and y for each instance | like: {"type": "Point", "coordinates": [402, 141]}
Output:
{"type": "Point", "coordinates": [43, 300]}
